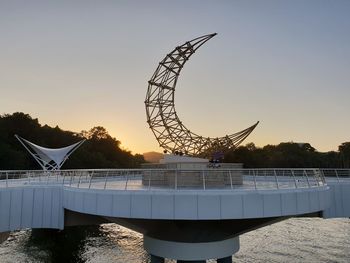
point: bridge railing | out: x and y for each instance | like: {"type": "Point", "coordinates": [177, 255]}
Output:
{"type": "Point", "coordinates": [336, 174]}
{"type": "Point", "coordinates": [175, 179]}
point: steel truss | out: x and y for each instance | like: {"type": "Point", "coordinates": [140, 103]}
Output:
{"type": "Point", "coordinates": [162, 118]}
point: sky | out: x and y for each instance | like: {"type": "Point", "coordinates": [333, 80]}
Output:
{"type": "Point", "coordinates": [80, 64]}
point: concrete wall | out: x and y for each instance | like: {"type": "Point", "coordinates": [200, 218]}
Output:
{"type": "Point", "coordinates": [31, 207]}
{"type": "Point", "coordinates": [340, 200]}
{"type": "Point", "coordinates": [194, 205]}
{"type": "Point", "coordinates": [43, 206]}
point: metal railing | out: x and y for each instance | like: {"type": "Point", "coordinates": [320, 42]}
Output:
{"type": "Point", "coordinates": [336, 174]}
{"type": "Point", "coordinates": [173, 179]}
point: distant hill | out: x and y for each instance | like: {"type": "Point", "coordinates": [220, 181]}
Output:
{"type": "Point", "coordinates": [153, 157]}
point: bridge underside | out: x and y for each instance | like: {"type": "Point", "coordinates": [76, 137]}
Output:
{"type": "Point", "coordinates": [190, 231]}
{"type": "Point", "coordinates": [185, 240]}
{"type": "Point", "coordinates": [194, 231]}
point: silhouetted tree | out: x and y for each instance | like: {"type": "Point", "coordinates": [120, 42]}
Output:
{"type": "Point", "coordinates": [99, 151]}
{"type": "Point", "coordinates": [283, 155]}
{"type": "Point", "coordinates": [344, 150]}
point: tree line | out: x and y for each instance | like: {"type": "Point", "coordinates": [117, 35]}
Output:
{"type": "Point", "coordinates": [100, 150]}
{"type": "Point", "coordinates": [289, 155]}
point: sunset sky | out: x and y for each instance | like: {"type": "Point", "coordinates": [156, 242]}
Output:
{"type": "Point", "coordinates": [80, 64]}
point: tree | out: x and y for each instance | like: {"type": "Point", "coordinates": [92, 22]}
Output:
{"type": "Point", "coordinates": [344, 150]}
{"type": "Point", "coordinates": [283, 155]}
{"type": "Point", "coordinates": [99, 151]}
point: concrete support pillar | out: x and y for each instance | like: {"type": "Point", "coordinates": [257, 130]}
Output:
{"type": "Point", "coordinates": [224, 260]}
{"type": "Point", "coordinates": [192, 252]}
{"type": "Point", "coordinates": [156, 259]}
{"type": "Point", "coordinates": [4, 236]}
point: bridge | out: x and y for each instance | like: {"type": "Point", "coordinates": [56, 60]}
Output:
{"type": "Point", "coordinates": [190, 220]}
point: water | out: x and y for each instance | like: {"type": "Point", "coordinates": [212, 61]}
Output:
{"type": "Point", "coordinates": [293, 240]}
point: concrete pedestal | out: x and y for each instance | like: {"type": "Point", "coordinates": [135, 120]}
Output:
{"type": "Point", "coordinates": [184, 172]}
{"type": "Point", "coordinates": [192, 252]}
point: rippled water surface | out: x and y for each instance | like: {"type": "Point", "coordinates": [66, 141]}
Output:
{"type": "Point", "coordinates": [293, 240]}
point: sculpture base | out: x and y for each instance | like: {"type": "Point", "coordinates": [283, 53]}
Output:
{"type": "Point", "coordinates": [183, 171]}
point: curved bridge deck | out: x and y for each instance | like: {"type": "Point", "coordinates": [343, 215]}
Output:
{"type": "Point", "coordinates": [181, 209]}
{"type": "Point", "coordinates": [37, 199]}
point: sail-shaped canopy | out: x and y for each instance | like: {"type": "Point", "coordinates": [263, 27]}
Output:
{"type": "Point", "coordinates": [49, 158]}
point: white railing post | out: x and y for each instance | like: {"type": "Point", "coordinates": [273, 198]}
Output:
{"type": "Point", "coordinates": [7, 179]}
{"type": "Point", "coordinates": [71, 178]}
{"type": "Point", "coordinates": [323, 178]}
{"type": "Point", "coordinates": [320, 177]}
{"type": "Point", "coordinates": [92, 174]}
{"type": "Point", "coordinates": [47, 178]}
{"type": "Point", "coordinates": [203, 177]}
{"type": "Point", "coordinates": [317, 175]}
{"type": "Point", "coordinates": [295, 180]}
{"type": "Point", "coordinates": [254, 177]}
{"type": "Point", "coordinates": [106, 180]}
{"type": "Point", "coordinates": [64, 176]}
{"type": "Point", "coordinates": [336, 173]}
{"type": "Point", "coordinates": [231, 180]}
{"type": "Point", "coordinates": [79, 180]}
{"type": "Point", "coordinates": [176, 179]}
{"type": "Point", "coordinates": [274, 171]}
{"type": "Point", "coordinates": [149, 180]}
{"type": "Point", "coordinates": [127, 179]}
{"type": "Point", "coordinates": [307, 178]}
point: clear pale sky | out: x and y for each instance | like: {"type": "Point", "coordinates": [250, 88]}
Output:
{"type": "Point", "coordinates": [79, 64]}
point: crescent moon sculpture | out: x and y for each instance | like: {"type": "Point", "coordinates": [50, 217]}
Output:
{"type": "Point", "coordinates": [162, 118]}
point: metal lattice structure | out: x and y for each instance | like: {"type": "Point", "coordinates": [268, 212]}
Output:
{"type": "Point", "coordinates": [162, 118]}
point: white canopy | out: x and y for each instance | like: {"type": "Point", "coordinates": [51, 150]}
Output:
{"type": "Point", "coordinates": [49, 158]}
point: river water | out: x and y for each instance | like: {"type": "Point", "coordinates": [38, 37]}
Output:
{"type": "Point", "coordinates": [292, 240]}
